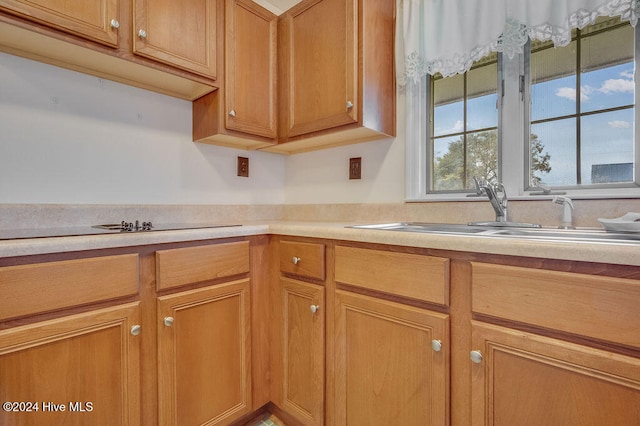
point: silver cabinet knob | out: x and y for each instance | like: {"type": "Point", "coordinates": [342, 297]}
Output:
{"type": "Point", "coordinates": [142, 33]}
{"type": "Point", "coordinates": [232, 113]}
{"type": "Point", "coordinates": [436, 345]}
{"type": "Point", "coordinates": [115, 24]}
{"type": "Point", "coordinates": [296, 260]}
{"type": "Point", "coordinates": [314, 308]}
{"type": "Point", "coordinates": [476, 356]}
{"type": "Point", "coordinates": [168, 321]}
{"type": "Point", "coordinates": [349, 104]}
{"type": "Point", "coordinates": [135, 329]}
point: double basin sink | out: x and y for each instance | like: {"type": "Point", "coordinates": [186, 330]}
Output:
{"type": "Point", "coordinates": [524, 231]}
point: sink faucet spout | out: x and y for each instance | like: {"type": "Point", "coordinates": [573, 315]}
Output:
{"type": "Point", "coordinates": [497, 196]}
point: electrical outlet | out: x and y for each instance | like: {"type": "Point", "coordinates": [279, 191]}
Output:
{"type": "Point", "coordinates": [355, 168]}
{"type": "Point", "coordinates": [243, 166]}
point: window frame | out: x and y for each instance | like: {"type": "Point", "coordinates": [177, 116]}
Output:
{"type": "Point", "coordinates": [513, 109]}
{"type": "Point", "coordinates": [466, 131]}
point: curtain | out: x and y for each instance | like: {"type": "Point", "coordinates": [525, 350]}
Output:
{"type": "Point", "coordinates": [447, 36]}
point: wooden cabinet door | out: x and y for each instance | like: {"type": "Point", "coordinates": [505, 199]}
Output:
{"type": "Point", "coordinates": [179, 33]}
{"type": "Point", "coordinates": [96, 20]}
{"type": "Point", "coordinates": [318, 66]}
{"type": "Point", "coordinates": [204, 355]}
{"type": "Point", "coordinates": [302, 345]}
{"type": "Point", "coordinates": [525, 379]}
{"type": "Point", "coordinates": [75, 370]}
{"type": "Point", "coordinates": [391, 363]}
{"type": "Point", "coordinates": [250, 68]}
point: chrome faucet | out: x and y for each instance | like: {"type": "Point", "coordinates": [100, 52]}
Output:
{"type": "Point", "coordinates": [497, 197]}
{"type": "Point", "coordinates": [567, 205]}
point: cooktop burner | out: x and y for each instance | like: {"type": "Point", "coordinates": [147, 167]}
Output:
{"type": "Point", "coordinates": [123, 227]}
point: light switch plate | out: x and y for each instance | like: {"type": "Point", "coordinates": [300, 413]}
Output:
{"type": "Point", "coordinates": [355, 168]}
{"type": "Point", "coordinates": [243, 167]}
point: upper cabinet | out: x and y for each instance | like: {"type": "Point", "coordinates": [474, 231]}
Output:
{"type": "Point", "coordinates": [96, 20]}
{"type": "Point", "coordinates": [163, 46]}
{"type": "Point", "coordinates": [182, 34]}
{"type": "Point", "coordinates": [318, 66]}
{"type": "Point", "coordinates": [250, 63]}
{"type": "Point", "coordinates": [335, 74]}
{"type": "Point", "coordinates": [320, 75]}
{"type": "Point", "coordinates": [242, 112]}
{"type": "Point", "coordinates": [335, 77]}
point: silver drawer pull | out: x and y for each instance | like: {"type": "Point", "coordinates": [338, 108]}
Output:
{"type": "Point", "coordinates": [296, 260]}
{"type": "Point", "coordinates": [476, 356]}
{"type": "Point", "coordinates": [436, 345]}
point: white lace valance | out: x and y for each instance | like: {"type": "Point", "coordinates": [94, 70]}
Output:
{"type": "Point", "coordinates": [447, 36]}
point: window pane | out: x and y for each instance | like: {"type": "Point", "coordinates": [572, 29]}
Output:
{"type": "Point", "coordinates": [607, 147]}
{"type": "Point", "coordinates": [462, 149]}
{"type": "Point", "coordinates": [482, 88]}
{"type": "Point", "coordinates": [482, 156]}
{"type": "Point", "coordinates": [606, 62]}
{"type": "Point", "coordinates": [448, 164]}
{"type": "Point", "coordinates": [553, 82]}
{"type": "Point", "coordinates": [608, 88]}
{"type": "Point", "coordinates": [480, 152]}
{"type": "Point", "coordinates": [558, 140]}
{"type": "Point", "coordinates": [448, 119]}
{"type": "Point", "coordinates": [448, 113]}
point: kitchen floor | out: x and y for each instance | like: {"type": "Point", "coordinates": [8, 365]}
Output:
{"type": "Point", "coordinates": [271, 420]}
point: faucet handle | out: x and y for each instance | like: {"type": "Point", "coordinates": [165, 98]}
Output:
{"type": "Point", "coordinates": [479, 189]}
{"type": "Point", "coordinates": [501, 193]}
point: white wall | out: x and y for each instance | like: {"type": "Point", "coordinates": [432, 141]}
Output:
{"type": "Point", "coordinates": [70, 138]}
{"type": "Point", "coordinates": [323, 176]}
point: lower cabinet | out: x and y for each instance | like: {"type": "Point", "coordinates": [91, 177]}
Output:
{"type": "Point", "coordinates": [74, 370]}
{"type": "Point", "coordinates": [299, 326]}
{"type": "Point", "coordinates": [554, 347]}
{"type": "Point", "coordinates": [204, 355]}
{"type": "Point", "coordinates": [520, 378]}
{"type": "Point", "coordinates": [355, 334]}
{"type": "Point", "coordinates": [391, 363]}
{"type": "Point", "coordinates": [302, 344]}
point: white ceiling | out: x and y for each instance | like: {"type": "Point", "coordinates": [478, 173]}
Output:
{"type": "Point", "coordinates": [277, 6]}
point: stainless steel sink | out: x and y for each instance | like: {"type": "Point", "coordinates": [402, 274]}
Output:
{"type": "Point", "coordinates": [592, 235]}
{"type": "Point", "coordinates": [433, 228]}
{"type": "Point", "coordinates": [510, 230]}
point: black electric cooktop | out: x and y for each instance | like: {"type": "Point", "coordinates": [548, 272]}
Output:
{"type": "Point", "coordinates": [104, 229]}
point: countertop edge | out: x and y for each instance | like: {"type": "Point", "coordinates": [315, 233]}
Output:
{"type": "Point", "coordinates": [620, 254]}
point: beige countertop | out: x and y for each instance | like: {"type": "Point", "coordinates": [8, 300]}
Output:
{"type": "Point", "coordinates": [624, 254]}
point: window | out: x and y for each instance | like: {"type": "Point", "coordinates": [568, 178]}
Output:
{"type": "Point", "coordinates": [464, 127]}
{"type": "Point", "coordinates": [562, 118]}
{"type": "Point", "coordinates": [582, 107]}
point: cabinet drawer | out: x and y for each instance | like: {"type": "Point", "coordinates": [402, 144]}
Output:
{"type": "Point", "coordinates": [177, 267]}
{"type": "Point", "coordinates": [305, 259]}
{"type": "Point", "coordinates": [43, 287]}
{"type": "Point", "coordinates": [604, 308]}
{"type": "Point", "coordinates": [404, 274]}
